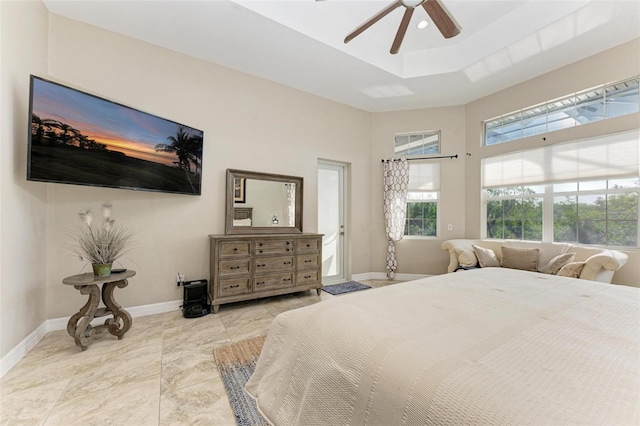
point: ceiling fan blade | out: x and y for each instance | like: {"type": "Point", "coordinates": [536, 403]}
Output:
{"type": "Point", "coordinates": [441, 18]}
{"type": "Point", "coordinates": [371, 21]}
{"type": "Point", "coordinates": [402, 29]}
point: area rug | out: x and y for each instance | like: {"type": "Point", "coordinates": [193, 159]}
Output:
{"type": "Point", "coordinates": [236, 363]}
{"type": "Point", "coordinates": [344, 287]}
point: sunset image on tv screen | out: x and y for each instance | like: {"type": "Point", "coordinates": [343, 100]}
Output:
{"type": "Point", "coordinates": [83, 139]}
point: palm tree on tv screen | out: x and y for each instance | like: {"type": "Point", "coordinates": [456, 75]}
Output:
{"type": "Point", "coordinates": [188, 149]}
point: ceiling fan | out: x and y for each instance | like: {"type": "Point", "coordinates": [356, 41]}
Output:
{"type": "Point", "coordinates": [435, 10]}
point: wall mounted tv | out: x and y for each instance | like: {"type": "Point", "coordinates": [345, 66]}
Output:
{"type": "Point", "coordinates": [78, 138]}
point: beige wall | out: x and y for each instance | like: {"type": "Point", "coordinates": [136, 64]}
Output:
{"type": "Point", "coordinates": [461, 134]}
{"type": "Point", "coordinates": [248, 124]}
{"type": "Point", "coordinates": [421, 255]}
{"type": "Point", "coordinates": [610, 66]}
{"type": "Point", "coordinates": [23, 236]}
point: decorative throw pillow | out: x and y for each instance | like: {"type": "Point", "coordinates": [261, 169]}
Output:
{"type": "Point", "coordinates": [556, 263]}
{"type": "Point", "coordinates": [520, 258]}
{"type": "Point", "coordinates": [486, 257]}
{"type": "Point", "coordinates": [572, 269]}
{"type": "Point", "coordinates": [466, 258]}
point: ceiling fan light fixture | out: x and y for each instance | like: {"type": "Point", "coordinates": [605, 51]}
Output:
{"type": "Point", "coordinates": [438, 14]}
{"type": "Point", "coordinates": [423, 24]}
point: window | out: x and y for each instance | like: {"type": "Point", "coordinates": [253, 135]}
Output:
{"type": "Point", "coordinates": [579, 108]}
{"type": "Point", "coordinates": [422, 200]}
{"type": "Point", "coordinates": [603, 212]}
{"type": "Point", "coordinates": [583, 192]}
{"type": "Point", "coordinates": [423, 143]}
{"type": "Point", "coordinates": [515, 213]}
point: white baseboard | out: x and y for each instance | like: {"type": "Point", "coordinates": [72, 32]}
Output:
{"type": "Point", "coordinates": [16, 354]}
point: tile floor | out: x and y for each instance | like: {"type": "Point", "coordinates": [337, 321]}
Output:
{"type": "Point", "coordinates": [161, 373]}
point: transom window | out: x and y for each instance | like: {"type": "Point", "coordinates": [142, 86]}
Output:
{"type": "Point", "coordinates": [421, 143]}
{"type": "Point", "coordinates": [602, 102]}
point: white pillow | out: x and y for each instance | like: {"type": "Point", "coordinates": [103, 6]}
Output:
{"type": "Point", "coordinates": [573, 270]}
{"type": "Point", "coordinates": [486, 257]}
{"type": "Point", "coordinates": [556, 263]}
{"type": "Point", "coordinates": [466, 257]}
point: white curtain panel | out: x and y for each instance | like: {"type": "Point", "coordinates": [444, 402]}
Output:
{"type": "Point", "coordinates": [396, 184]}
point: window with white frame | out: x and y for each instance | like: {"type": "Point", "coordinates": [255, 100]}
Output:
{"type": "Point", "coordinates": [514, 212]}
{"type": "Point", "coordinates": [420, 143]}
{"type": "Point", "coordinates": [587, 106]}
{"type": "Point", "coordinates": [584, 192]}
{"type": "Point", "coordinates": [422, 200]}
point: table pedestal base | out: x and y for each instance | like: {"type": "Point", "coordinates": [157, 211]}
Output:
{"type": "Point", "coordinates": [79, 326]}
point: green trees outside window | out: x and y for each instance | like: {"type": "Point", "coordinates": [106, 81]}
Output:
{"type": "Point", "coordinates": [601, 212]}
{"type": "Point", "coordinates": [514, 213]}
{"type": "Point", "coordinates": [421, 218]}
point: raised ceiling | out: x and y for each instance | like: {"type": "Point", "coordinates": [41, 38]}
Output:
{"type": "Point", "coordinates": [299, 43]}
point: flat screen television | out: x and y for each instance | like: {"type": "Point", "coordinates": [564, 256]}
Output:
{"type": "Point", "coordinates": [82, 139]}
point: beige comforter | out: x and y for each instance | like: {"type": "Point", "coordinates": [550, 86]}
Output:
{"type": "Point", "coordinates": [489, 346]}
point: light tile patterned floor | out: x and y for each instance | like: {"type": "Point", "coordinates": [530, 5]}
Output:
{"type": "Point", "coordinates": [161, 373]}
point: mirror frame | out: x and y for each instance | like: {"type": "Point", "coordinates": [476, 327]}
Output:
{"type": "Point", "coordinates": [230, 229]}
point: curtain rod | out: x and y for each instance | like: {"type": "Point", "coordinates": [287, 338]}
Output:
{"type": "Point", "coordinates": [422, 158]}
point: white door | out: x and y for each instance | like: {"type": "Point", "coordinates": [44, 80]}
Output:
{"type": "Point", "coordinates": [331, 220]}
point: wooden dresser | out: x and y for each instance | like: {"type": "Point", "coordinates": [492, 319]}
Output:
{"type": "Point", "coordinates": [246, 267]}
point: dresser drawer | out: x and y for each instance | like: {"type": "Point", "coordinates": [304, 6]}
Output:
{"type": "Point", "coordinates": [265, 265]}
{"type": "Point", "coordinates": [234, 248]}
{"type": "Point", "coordinates": [306, 277]}
{"type": "Point", "coordinates": [270, 282]}
{"type": "Point", "coordinates": [233, 287]}
{"type": "Point", "coordinates": [307, 261]}
{"type": "Point", "coordinates": [309, 245]}
{"type": "Point", "coordinates": [234, 267]}
{"type": "Point", "coordinates": [273, 247]}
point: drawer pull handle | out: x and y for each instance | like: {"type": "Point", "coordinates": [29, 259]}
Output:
{"type": "Point", "coordinates": [308, 245]}
{"type": "Point", "coordinates": [287, 263]}
{"type": "Point", "coordinates": [260, 244]}
{"type": "Point", "coordinates": [261, 265]}
{"type": "Point", "coordinates": [307, 261]}
{"type": "Point", "coordinates": [261, 282]}
{"type": "Point", "coordinates": [286, 279]}
{"type": "Point", "coordinates": [288, 249]}
{"type": "Point", "coordinates": [259, 251]}
{"type": "Point", "coordinates": [307, 276]}
{"type": "Point", "coordinates": [235, 249]}
{"type": "Point", "coordinates": [234, 267]}
{"type": "Point", "coordinates": [234, 286]}
{"type": "Point", "coordinates": [288, 242]}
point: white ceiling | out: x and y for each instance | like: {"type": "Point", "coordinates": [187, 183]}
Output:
{"type": "Point", "coordinates": [299, 43]}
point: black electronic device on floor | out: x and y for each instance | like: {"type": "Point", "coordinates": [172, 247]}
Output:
{"type": "Point", "coordinates": [196, 299]}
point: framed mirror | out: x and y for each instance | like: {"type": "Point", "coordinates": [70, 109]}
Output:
{"type": "Point", "coordinates": [263, 203]}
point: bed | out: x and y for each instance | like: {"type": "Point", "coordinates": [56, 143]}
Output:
{"type": "Point", "coordinates": [490, 346]}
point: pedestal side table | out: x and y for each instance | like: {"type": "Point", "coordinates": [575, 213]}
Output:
{"type": "Point", "coordinates": [79, 326]}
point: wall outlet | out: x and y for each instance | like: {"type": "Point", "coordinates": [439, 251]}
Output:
{"type": "Point", "coordinates": [449, 227]}
{"type": "Point", "coordinates": [180, 278]}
